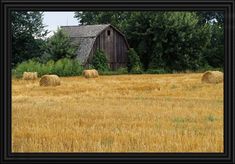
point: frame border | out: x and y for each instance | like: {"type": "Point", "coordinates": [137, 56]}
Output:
{"type": "Point", "coordinates": [227, 6]}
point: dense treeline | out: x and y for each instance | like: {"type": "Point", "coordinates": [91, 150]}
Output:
{"type": "Point", "coordinates": [27, 32]}
{"type": "Point", "coordinates": [168, 41]}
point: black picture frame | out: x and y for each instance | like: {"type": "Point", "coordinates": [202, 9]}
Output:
{"type": "Point", "coordinates": [7, 6]}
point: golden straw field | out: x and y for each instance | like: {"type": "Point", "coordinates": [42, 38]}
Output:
{"type": "Point", "coordinates": [122, 113]}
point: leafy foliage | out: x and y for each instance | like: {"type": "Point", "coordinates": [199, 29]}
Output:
{"type": "Point", "coordinates": [119, 71]}
{"type": "Point", "coordinates": [62, 67]}
{"type": "Point", "coordinates": [214, 53]}
{"type": "Point", "coordinates": [118, 18]}
{"type": "Point", "coordinates": [157, 71]}
{"type": "Point", "coordinates": [210, 16]}
{"type": "Point", "coordinates": [173, 41]}
{"type": "Point", "coordinates": [59, 46]}
{"type": "Point", "coordinates": [169, 41]}
{"type": "Point", "coordinates": [27, 32]}
{"type": "Point", "coordinates": [99, 61]}
{"type": "Point", "coordinates": [134, 64]}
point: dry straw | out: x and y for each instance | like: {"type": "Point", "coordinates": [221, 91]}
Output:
{"type": "Point", "coordinates": [49, 80]}
{"type": "Point", "coordinates": [30, 75]}
{"type": "Point", "coordinates": [213, 77]}
{"type": "Point", "coordinates": [90, 73]}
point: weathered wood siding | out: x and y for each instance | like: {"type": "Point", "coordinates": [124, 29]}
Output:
{"type": "Point", "coordinates": [113, 45]}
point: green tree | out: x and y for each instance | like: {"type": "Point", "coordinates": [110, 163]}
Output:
{"type": "Point", "coordinates": [179, 41]}
{"type": "Point", "coordinates": [138, 36]}
{"type": "Point", "coordinates": [59, 46]}
{"type": "Point", "coordinates": [210, 16]}
{"type": "Point", "coordinates": [116, 18]}
{"type": "Point", "coordinates": [168, 40]}
{"type": "Point", "coordinates": [87, 17]}
{"type": "Point", "coordinates": [214, 52]}
{"type": "Point", "coordinates": [134, 64]}
{"type": "Point", "coordinates": [27, 33]}
{"type": "Point", "coordinates": [99, 61]}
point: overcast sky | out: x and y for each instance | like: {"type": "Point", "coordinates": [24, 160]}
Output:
{"type": "Point", "coordinates": [57, 19]}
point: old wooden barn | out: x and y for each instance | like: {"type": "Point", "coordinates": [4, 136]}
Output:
{"type": "Point", "coordinates": [106, 37]}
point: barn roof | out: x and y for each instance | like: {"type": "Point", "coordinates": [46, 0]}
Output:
{"type": "Point", "coordinates": [85, 36]}
{"type": "Point", "coordinates": [85, 30]}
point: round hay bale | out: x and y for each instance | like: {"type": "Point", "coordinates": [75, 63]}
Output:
{"type": "Point", "coordinates": [213, 77]}
{"type": "Point", "coordinates": [49, 80]}
{"type": "Point", "coordinates": [95, 73]}
{"type": "Point", "coordinates": [90, 73]}
{"type": "Point", "coordinates": [30, 75]}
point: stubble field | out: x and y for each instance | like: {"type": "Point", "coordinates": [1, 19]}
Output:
{"type": "Point", "coordinates": [125, 113]}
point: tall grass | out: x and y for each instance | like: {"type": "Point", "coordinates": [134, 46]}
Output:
{"type": "Point", "coordinates": [62, 67]}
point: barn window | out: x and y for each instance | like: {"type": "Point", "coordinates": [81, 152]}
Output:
{"type": "Point", "coordinates": [108, 32]}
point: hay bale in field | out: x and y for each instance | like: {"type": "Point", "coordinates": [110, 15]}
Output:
{"type": "Point", "coordinates": [49, 80]}
{"type": "Point", "coordinates": [30, 75]}
{"type": "Point", "coordinates": [95, 72]}
{"type": "Point", "coordinates": [213, 77]}
{"type": "Point", "coordinates": [90, 73]}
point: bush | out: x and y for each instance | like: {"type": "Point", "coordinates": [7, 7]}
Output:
{"type": "Point", "coordinates": [119, 71]}
{"type": "Point", "coordinates": [26, 66]}
{"type": "Point", "coordinates": [201, 70]}
{"type": "Point", "coordinates": [62, 67]}
{"type": "Point", "coordinates": [68, 67]}
{"type": "Point", "coordinates": [122, 70]}
{"type": "Point", "coordinates": [136, 70]}
{"type": "Point", "coordinates": [157, 71]}
{"type": "Point", "coordinates": [99, 61]}
{"type": "Point", "coordinates": [134, 64]}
